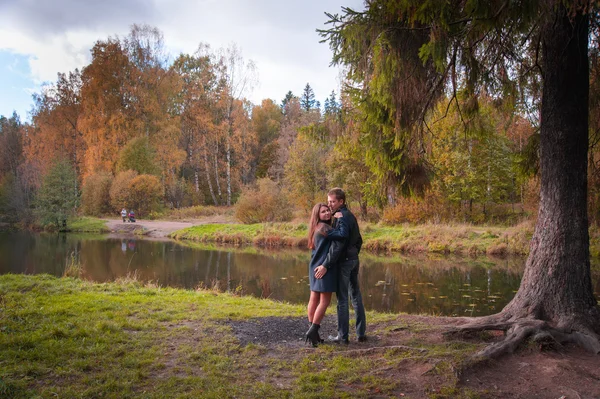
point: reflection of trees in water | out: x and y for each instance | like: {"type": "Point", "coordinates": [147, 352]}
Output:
{"type": "Point", "coordinates": [415, 284]}
{"type": "Point", "coordinates": [265, 289]}
{"type": "Point", "coordinates": [208, 263]}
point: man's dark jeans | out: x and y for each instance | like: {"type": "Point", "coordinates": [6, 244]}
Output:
{"type": "Point", "coordinates": [348, 285]}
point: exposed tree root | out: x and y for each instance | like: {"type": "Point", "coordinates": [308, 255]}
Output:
{"type": "Point", "coordinates": [520, 330]}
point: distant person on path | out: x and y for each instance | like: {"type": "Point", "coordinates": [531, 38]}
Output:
{"type": "Point", "coordinates": [346, 259]}
{"type": "Point", "coordinates": [322, 288]}
{"type": "Point", "coordinates": [124, 214]}
{"type": "Point", "coordinates": [131, 216]}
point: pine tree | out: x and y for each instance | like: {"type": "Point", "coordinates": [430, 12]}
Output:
{"type": "Point", "coordinates": [307, 100]}
{"type": "Point", "coordinates": [402, 58]}
{"type": "Point", "coordinates": [331, 105]}
{"type": "Point", "coordinates": [58, 198]}
{"type": "Point", "coordinates": [286, 100]}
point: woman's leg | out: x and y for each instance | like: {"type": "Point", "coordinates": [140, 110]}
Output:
{"type": "Point", "coordinates": [313, 303]}
{"type": "Point", "coordinates": [324, 300]}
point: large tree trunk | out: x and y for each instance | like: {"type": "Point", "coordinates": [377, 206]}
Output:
{"type": "Point", "coordinates": [557, 285]}
{"type": "Point", "coordinates": [556, 300]}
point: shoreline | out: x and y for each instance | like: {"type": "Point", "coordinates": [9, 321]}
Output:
{"type": "Point", "coordinates": [401, 239]}
{"type": "Point", "coordinates": [443, 239]}
{"type": "Point", "coordinates": [126, 339]}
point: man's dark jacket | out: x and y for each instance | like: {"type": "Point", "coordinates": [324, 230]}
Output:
{"type": "Point", "coordinates": [346, 231]}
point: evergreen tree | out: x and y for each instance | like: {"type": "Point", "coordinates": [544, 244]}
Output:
{"type": "Point", "coordinates": [402, 57]}
{"type": "Point", "coordinates": [331, 105]}
{"type": "Point", "coordinates": [57, 197]}
{"type": "Point", "coordinates": [286, 100]}
{"type": "Point", "coordinates": [307, 100]}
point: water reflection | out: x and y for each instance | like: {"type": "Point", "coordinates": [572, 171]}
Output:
{"type": "Point", "coordinates": [441, 286]}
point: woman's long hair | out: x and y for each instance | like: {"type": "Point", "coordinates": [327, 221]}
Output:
{"type": "Point", "coordinates": [314, 222]}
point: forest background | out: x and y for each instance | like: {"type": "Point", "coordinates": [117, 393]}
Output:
{"type": "Point", "coordinates": [138, 129]}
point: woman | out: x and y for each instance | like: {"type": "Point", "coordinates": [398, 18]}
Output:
{"type": "Point", "coordinates": [322, 288]}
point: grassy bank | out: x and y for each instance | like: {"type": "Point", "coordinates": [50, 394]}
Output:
{"type": "Point", "coordinates": [261, 234]}
{"type": "Point", "coordinates": [450, 239]}
{"type": "Point", "coordinates": [64, 337]}
{"type": "Point", "coordinates": [88, 225]}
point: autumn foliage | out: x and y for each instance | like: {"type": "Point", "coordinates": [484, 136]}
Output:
{"type": "Point", "coordinates": [263, 202]}
{"type": "Point", "coordinates": [95, 194]}
{"type": "Point", "coordinates": [145, 193]}
{"type": "Point", "coordinates": [146, 131]}
{"type": "Point", "coordinates": [120, 190]}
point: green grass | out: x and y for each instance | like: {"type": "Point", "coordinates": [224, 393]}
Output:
{"type": "Point", "coordinates": [88, 225]}
{"type": "Point", "coordinates": [65, 337]}
{"type": "Point", "coordinates": [429, 238]}
{"type": "Point", "coordinates": [194, 212]}
{"type": "Point", "coordinates": [400, 239]}
{"type": "Point", "coordinates": [261, 234]}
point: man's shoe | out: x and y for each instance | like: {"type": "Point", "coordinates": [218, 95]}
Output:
{"type": "Point", "coordinates": [338, 340]}
{"type": "Point", "coordinates": [362, 339]}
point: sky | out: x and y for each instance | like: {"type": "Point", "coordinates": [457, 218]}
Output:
{"type": "Point", "coordinates": [40, 38]}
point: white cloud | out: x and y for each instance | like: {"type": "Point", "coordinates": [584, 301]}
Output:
{"type": "Point", "coordinates": [278, 35]}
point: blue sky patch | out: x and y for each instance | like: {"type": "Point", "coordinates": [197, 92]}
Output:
{"type": "Point", "coordinates": [15, 85]}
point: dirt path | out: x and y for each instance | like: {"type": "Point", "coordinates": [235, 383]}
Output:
{"type": "Point", "coordinates": [530, 373]}
{"type": "Point", "coordinates": [149, 228]}
{"type": "Point", "coordinates": [160, 228]}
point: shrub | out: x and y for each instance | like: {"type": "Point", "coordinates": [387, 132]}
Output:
{"type": "Point", "coordinates": [430, 208]}
{"type": "Point", "coordinates": [141, 193]}
{"type": "Point", "coordinates": [95, 196]}
{"type": "Point", "coordinates": [263, 202]}
{"type": "Point", "coordinates": [145, 192]}
{"type": "Point", "coordinates": [120, 190]}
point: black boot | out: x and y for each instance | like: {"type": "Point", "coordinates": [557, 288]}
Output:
{"type": "Point", "coordinates": [312, 335]}
{"type": "Point", "coordinates": [321, 340]}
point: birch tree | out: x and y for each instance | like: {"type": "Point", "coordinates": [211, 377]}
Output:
{"type": "Point", "coordinates": [240, 76]}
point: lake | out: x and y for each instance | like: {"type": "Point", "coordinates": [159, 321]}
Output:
{"type": "Point", "coordinates": [449, 286]}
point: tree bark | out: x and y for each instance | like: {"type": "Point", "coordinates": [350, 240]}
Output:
{"type": "Point", "coordinates": [196, 173]}
{"type": "Point", "coordinates": [556, 297]}
{"type": "Point", "coordinates": [556, 284]}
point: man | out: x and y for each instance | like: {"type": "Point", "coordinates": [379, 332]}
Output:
{"type": "Point", "coordinates": [346, 258]}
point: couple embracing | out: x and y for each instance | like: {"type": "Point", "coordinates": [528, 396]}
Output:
{"type": "Point", "coordinates": [334, 267]}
